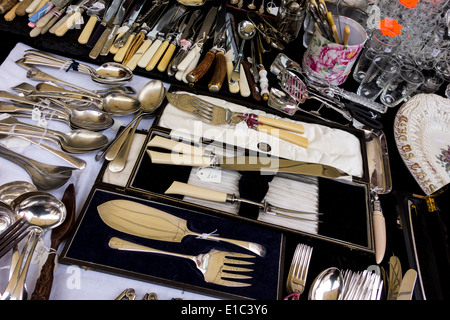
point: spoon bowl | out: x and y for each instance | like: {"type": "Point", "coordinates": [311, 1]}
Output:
{"type": "Point", "coordinates": [6, 216]}
{"type": "Point", "coordinates": [327, 285]}
{"type": "Point", "coordinates": [11, 190]}
{"type": "Point", "coordinates": [39, 209]}
{"type": "Point", "coordinates": [150, 96]}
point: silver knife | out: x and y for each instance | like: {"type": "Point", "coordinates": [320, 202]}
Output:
{"type": "Point", "coordinates": [168, 17]}
{"type": "Point", "coordinates": [129, 24]}
{"type": "Point", "coordinates": [183, 43]}
{"type": "Point", "coordinates": [156, 50]}
{"type": "Point", "coordinates": [99, 37]}
{"type": "Point", "coordinates": [200, 39]}
{"type": "Point", "coordinates": [407, 287]}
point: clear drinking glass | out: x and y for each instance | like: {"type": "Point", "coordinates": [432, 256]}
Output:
{"type": "Point", "coordinates": [402, 85]}
{"type": "Point", "coordinates": [377, 76]}
{"type": "Point", "coordinates": [382, 41]}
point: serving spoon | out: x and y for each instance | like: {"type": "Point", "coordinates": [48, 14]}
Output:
{"type": "Point", "coordinates": [151, 96]}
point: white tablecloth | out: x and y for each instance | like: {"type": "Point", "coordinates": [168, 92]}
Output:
{"type": "Point", "coordinates": [72, 282]}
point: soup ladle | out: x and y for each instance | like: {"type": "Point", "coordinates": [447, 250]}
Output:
{"type": "Point", "coordinates": [42, 211]}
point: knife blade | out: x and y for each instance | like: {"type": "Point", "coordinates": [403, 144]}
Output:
{"type": "Point", "coordinates": [230, 55]}
{"type": "Point", "coordinates": [140, 44]}
{"type": "Point", "coordinates": [199, 157]}
{"type": "Point", "coordinates": [158, 47]}
{"type": "Point", "coordinates": [44, 283]}
{"type": "Point", "coordinates": [167, 17]}
{"type": "Point", "coordinates": [95, 13]}
{"type": "Point", "coordinates": [214, 54]}
{"type": "Point", "coordinates": [202, 36]}
{"type": "Point", "coordinates": [185, 41]}
{"type": "Point", "coordinates": [108, 19]}
{"type": "Point", "coordinates": [407, 287]}
{"type": "Point", "coordinates": [125, 30]}
{"type": "Point", "coordinates": [173, 40]}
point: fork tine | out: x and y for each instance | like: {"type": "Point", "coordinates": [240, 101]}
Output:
{"type": "Point", "coordinates": [236, 269]}
{"type": "Point", "coordinates": [235, 284]}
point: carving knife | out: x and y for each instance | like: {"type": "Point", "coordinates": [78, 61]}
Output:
{"type": "Point", "coordinates": [184, 42]}
{"type": "Point", "coordinates": [125, 31]}
{"type": "Point", "coordinates": [199, 157]}
{"type": "Point", "coordinates": [95, 13]}
{"type": "Point", "coordinates": [172, 41]}
{"type": "Point", "coordinates": [216, 53]}
{"type": "Point", "coordinates": [167, 17]}
{"type": "Point", "coordinates": [407, 287]}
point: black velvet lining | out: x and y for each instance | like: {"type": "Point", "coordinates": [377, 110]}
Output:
{"type": "Point", "coordinates": [344, 206]}
{"type": "Point", "coordinates": [89, 246]}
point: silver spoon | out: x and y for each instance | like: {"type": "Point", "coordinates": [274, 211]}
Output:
{"type": "Point", "coordinates": [89, 119]}
{"type": "Point", "coordinates": [39, 172]}
{"type": "Point", "coordinates": [327, 285]}
{"type": "Point", "coordinates": [151, 96]}
{"type": "Point", "coordinates": [42, 211]}
{"type": "Point", "coordinates": [246, 31]}
{"type": "Point", "coordinates": [11, 190]}
{"type": "Point", "coordinates": [6, 216]}
{"type": "Point", "coordinates": [107, 73]}
{"type": "Point", "coordinates": [74, 141]}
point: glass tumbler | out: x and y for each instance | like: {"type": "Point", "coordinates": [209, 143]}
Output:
{"type": "Point", "coordinates": [382, 41]}
{"type": "Point", "coordinates": [401, 86]}
{"type": "Point", "coordinates": [381, 70]}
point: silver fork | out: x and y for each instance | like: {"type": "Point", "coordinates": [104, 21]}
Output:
{"type": "Point", "coordinates": [296, 280]}
{"type": "Point", "coordinates": [216, 266]}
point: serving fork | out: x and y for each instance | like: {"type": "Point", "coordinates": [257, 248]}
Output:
{"type": "Point", "coordinates": [217, 115]}
{"type": "Point", "coordinates": [216, 266]}
{"type": "Point", "coordinates": [296, 280]}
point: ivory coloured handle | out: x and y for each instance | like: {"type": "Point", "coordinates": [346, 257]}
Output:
{"type": "Point", "coordinates": [178, 159]}
{"type": "Point", "coordinates": [162, 66]}
{"type": "Point", "coordinates": [244, 88]}
{"type": "Point", "coordinates": [284, 135]}
{"type": "Point", "coordinates": [87, 30]}
{"type": "Point", "coordinates": [189, 190]}
{"type": "Point", "coordinates": [147, 56]}
{"type": "Point", "coordinates": [286, 125]}
{"type": "Point", "coordinates": [62, 29]}
{"type": "Point", "coordinates": [233, 86]}
{"type": "Point", "coordinates": [175, 146]}
{"type": "Point", "coordinates": [120, 55]}
{"type": "Point", "coordinates": [157, 56]}
{"type": "Point", "coordinates": [379, 228]}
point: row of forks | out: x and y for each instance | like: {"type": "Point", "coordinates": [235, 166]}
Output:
{"type": "Point", "coordinates": [363, 285]}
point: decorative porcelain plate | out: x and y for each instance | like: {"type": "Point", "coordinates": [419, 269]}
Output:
{"type": "Point", "coordinates": [422, 134]}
